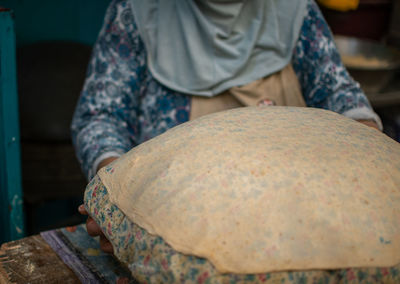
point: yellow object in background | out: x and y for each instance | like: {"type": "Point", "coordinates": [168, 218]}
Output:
{"type": "Point", "coordinates": [340, 5]}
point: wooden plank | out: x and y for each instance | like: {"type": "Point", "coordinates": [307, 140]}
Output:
{"type": "Point", "coordinates": [31, 260]}
{"type": "Point", "coordinates": [11, 213]}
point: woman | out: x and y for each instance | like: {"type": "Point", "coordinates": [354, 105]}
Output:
{"type": "Point", "coordinates": [155, 63]}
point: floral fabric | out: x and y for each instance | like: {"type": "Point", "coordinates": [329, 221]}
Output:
{"type": "Point", "coordinates": [151, 260]}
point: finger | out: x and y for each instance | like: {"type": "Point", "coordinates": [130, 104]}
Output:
{"type": "Point", "coordinates": [106, 245]}
{"type": "Point", "coordinates": [370, 123]}
{"type": "Point", "coordinates": [82, 210]}
{"type": "Point", "coordinates": [92, 228]}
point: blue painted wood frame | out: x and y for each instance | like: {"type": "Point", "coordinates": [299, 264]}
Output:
{"type": "Point", "coordinates": [11, 204]}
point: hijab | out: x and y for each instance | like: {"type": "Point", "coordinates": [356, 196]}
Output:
{"type": "Point", "coordinates": [204, 47]}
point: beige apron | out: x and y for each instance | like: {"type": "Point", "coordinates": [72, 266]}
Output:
{"type": "Point", "coordinates": [281, 89]}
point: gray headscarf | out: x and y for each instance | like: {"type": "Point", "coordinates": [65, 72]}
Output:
{"type": "Point", "coordinates": [204, 47]}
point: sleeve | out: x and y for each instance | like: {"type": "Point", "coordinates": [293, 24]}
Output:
{"type": "Point", "coordinates": [324, 80]}
{"type": "Point", "coordinates": [105, 120]}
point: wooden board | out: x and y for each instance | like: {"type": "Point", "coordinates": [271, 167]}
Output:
{"type": "Point", "coordinates": [31, 260]}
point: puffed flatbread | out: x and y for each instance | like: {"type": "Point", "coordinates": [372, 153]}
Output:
{"type": "Point", "coordinates": [255, 190]}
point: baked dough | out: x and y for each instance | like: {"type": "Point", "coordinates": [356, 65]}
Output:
{"type": "Point", "coordinates": [262, 189]}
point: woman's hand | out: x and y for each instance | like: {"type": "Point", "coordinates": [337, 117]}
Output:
{"type": "Point", "coordinates": [369, 123]}
{"type": "Point", "coordinates": [105, 162]}
{"type": "Point", "coordinates": [94, 230]}
{"type": "Point", "coordinates": [92, 227]}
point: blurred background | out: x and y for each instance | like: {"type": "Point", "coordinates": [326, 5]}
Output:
{"type": "Point", "coordinates": [52, 41]}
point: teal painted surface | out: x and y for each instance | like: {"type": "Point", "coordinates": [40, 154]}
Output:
{"type": "Point", "coordinates": [70, 20]}
{"type": "Point", "coordinates": [11, 205]}
{"type": "Point", "coordinates": [34, 21]}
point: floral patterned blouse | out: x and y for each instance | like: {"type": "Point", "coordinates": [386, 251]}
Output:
{"type": "Point", "coordinates": [122, 105]}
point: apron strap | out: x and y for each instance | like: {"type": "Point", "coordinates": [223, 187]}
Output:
{"type": "Point", "coordinates": [281, 89]}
